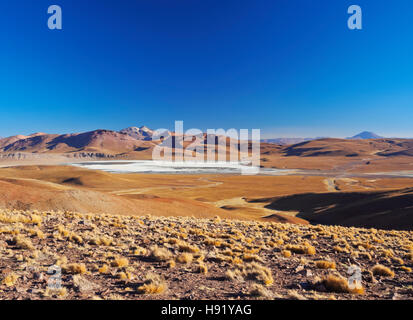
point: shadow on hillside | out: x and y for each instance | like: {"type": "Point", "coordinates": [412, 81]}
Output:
{"type": "Point", "coordinates": [383, 210]}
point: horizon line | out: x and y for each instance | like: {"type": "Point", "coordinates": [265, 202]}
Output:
{"type": "Point", "coordinates": [263, 137]}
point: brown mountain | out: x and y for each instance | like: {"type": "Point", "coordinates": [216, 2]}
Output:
{"type": "Point", "coordinates": [104, 141]}
{"type": "Point", "coordinates": [350, 148]}
{"type": "Point", "coordinates": [9, 140]}
{"type": "Point", "coordinates": [378, 209]}
{"type": "Point", "coordinates": [134, 144]}
{"type": "Point", "coordinates": [141, 133]}
{"type": "Point", "coordinates": [287, 141]}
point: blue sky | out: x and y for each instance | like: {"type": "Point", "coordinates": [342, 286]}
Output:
{"type": "Point", "coordinates": [288, 67]}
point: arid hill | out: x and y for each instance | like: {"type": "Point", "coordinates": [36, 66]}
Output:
{"type": "Point", "coordinates": [366, 135]}
{"type": "Point", "coordinates": [135, 143]}
{"type": "Point", "coordinates": [4, 142]}
{"type": "Point", "coordinates": [337, 156]}
{"type": "Point", "coordinates": [68, 189]}
{"type": "Point", "coordinates": [103, 141]}
{"type": "Point", "coordinates": [381, 209]}
{"type": "Point", "coordinates": [130, 143]}
{"type": "Point", "coordinates": [142, 257]}
{"type": "Point", "coordinates": [290, 198]}
{"type": "Point", "coordinates": [348, 148]}
{"type": "Point", "coordinates": [287, 141]}
{"type": "Point", "coordinates": [141, 133]}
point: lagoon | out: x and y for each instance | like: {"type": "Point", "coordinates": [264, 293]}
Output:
{"type": "Point", "coordinates": [171, 167]}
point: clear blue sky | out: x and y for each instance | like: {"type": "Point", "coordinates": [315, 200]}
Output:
{"type": "Point", "coordinates": [288, 67]}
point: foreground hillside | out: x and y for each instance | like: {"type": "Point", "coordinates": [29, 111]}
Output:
{"type": "Point", "coordinates": [125, 257]}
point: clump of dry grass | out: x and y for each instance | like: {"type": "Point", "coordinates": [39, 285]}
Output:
{"type": "Point", "coordinates": [301, 249]}
{"type": "Point", "coordinates": [407, 269]}
{"type": "Point", "coordinates": [323, 264]}
{"type": "Point", "coordinates": [171, 264]}
{"type": "Point", "coordinates": [75, 238]}
{"type": "Point", "coordinates": [251, 257]}
{"type": "Point", "coordinates": [398, 260]}
{"type": "Point", "coordinates": [74, 268]}
{"type": "Point", "coordinates": [234, 275]}
{"type": "Point", "coordinates": [252, 271]}
{"type": "Point", "coordinates": [104, 269]}
{"type": "Point", "coordinates": [23, 243]}
{"type": "Point", "coordinates": [212, 242]}
{"type": "Point", "coordinates": [340, 285]}
{"type": "Point", "coordinates": [184, 258]}
{"type": "Point", "coordinates": [36, 233]}
{"type": "Point", "coordinates": [364, 255]}
{"type": "Point", "coordinates": [286, 253]}
{"type": "Point", "coordinates": [124, 276]}
{"type": "Point", "coordinates": [105, 241]}
{"type": "Point", "coordinates": [139, 251]}
{"type": "Point", "coordinates": [259, 291]}
{"type": "Point", "coordinates": [199, 257]}
{"type": "Point", "coordinates": [120, 262]}
{"type": "Point", "coordinates": [36, 219]}
{"type": "Point", "coordinates": [159, 254]}
{"type": "Point", "coordinates": [185, 247]}
{"type": "Point", "coordinates": [294, 295]}
{"type": "Point", "coordinates": [63, 231]}
{"type": "Point", "coordinates": [26, 218]}
{"type": "Point", "coordinates": [340, 249]}
{"type": "Point", "coordinates": [153, 284]}
{"type": "Point", "coordinates": [10, 279]}
{"type": "Point", "coordinates": [236, 260]}
{"type": "Point", "coordinates": [201, 268]}
{"type": "Point", "coordinates": [387, 253]}
{"type": "Point", "coordinates": [60, 261]}
{"type": "Point", "coordinates": [380, 270]}
{"type": "Point", "coordinates": [62, 292]}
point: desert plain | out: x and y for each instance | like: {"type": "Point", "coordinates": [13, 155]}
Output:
{"type": "Point", "coordinates": [292, 235]}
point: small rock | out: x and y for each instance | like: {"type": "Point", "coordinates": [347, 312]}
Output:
{"type": "Point", "coordinates": [83, 285]}
{"type": "Point", "coordinates": [296, 286]}
{"type": "Point", "coordinates": [20, 289]}
{"type": "Point", "coordinates": [299, 268]}
{"type": "Point", "coordinates": [38, 276]}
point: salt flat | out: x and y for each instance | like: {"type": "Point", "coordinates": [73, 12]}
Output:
{"type": "Point", "coordinates": [172, 167]}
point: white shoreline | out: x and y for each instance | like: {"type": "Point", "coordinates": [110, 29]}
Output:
{"type": "Point", "coordinates": [171, 167]}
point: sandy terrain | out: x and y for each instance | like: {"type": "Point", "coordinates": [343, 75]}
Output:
{"type": "Point", "coordinates": [229, 196]}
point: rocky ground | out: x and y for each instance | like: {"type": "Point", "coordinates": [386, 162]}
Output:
{"type": "Point", "coordinates": [129, 257]}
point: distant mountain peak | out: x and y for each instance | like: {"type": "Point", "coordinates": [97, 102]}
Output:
{"type": "Point", "coordinates": [37, 134]}
{"type": "Point", "coordinates": [366, 135]}
{"type": "Point", "coordinates": [140, 133]}
{"type": "Point", "coordinates": [145, 128]}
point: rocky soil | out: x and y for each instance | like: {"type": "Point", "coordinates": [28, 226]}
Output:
{"type": "Point", "coordinates": [129, 257]}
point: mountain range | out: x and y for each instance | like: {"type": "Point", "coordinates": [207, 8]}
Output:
{"type": "Point", "coordinates": [136, 143]}
{"type": "Point", "coordinates": [365, 135]}
{"type": "Point", "coordinates": [105, 141]}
